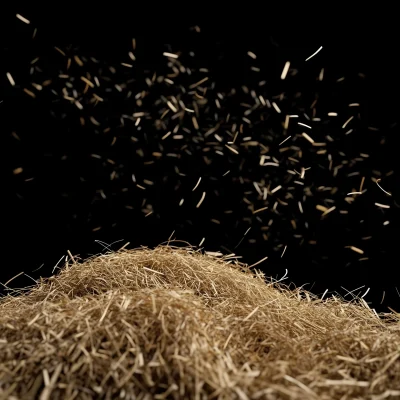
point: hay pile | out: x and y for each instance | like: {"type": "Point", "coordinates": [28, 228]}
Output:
{"type": "Point", "coordinates": [174, 323]}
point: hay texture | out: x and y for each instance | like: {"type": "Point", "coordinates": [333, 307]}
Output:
{"type": "Point", "coordinates": [174, 323]}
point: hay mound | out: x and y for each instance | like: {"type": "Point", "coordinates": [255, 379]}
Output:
{"type": "Point", "coordinates": [176, 324]}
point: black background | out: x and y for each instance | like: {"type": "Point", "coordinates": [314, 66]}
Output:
{"type": "Point", "coordinates": [57, 211]}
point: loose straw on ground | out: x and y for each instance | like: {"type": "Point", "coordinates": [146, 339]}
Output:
{"type": "Point", "coordinates": [173, 323]}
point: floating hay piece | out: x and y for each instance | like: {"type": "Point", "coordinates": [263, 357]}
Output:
{"type": "Point", "coordinates": [175, 323]}
{"type": "Point", "coordinates": [315, 53]}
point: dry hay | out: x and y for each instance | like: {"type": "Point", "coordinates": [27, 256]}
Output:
{"type": "Point", "coordinates": [174, 323]}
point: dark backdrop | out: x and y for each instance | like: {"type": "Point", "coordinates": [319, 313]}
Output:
{"type": "Point", "coordinates": [63, 198]}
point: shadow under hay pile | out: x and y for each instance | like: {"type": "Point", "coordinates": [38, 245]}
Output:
{"type": "Point", "coordinates": [174, 323]}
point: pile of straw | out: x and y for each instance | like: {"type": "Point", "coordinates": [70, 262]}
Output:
{"type": "Point", "coordinates": [174, 323]}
